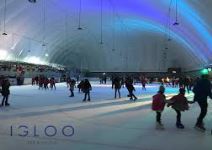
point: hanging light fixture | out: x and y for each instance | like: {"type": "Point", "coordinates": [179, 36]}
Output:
{"type": "Point", "coordinates": [5, 11]}
{"type": "Point", "coordinates": [29, 45]}
{"type": "Point", "coordinates": [44, 23]}
{"type": "Point", "coordinates": [101, 41]}
{"type": "Point", "coordinates": [80, 11]}
{"type": "Point", "coordinates": [32, 1]}
{"type": "Point", "coordinates": [113, 30]}
{"type": "Point", "coordinates": [176, 23]}
{"type": "Point", "coordinates": [169, 22]}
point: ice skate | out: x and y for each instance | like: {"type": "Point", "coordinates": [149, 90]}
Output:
{"type": "Point", "coordinates": [159, 126]}
{"type": "Point", "coordinates": [7, 104]}
{"type": "Point", "coordinates": [180, 126]}
{"type": "Point", "coordinates": [200, 128]}
{"type": "Point", "coordinates": [135, 99]}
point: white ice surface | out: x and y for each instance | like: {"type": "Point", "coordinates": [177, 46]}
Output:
{"type": "Point", "coordinates": [102, 124]}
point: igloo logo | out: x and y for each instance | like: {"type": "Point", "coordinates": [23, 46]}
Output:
{"type": "Point", "coordinates": [36, 131]}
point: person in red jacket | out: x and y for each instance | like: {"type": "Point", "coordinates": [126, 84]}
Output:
{"type": "Point", "coordinates": [158, 104]}
{"type": "Point", "coordinates": [179, 103]}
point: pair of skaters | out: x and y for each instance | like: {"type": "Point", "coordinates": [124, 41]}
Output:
{"type": "Point", "coordinates": [178, 102]}
{"type": "Point", "coordinates": [84, 85]}
{"type": "Point", "coordinates": [116, 84]}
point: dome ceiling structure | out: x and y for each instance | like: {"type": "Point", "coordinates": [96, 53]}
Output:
{"type": "Point", "coordinates": [116, 35]}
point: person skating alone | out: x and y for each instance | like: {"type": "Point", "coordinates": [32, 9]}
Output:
{"type": "Point", "coordinates": [86, 88]}
{"type": "Point", "coordinates": [72, 84]}
{"type": "Point", "coordinates": [5, 92]}
{"type": "Point", "coordinates": [130, 88]}
{"type": "Point", "coordinates": [116, 84]}
{"type": "Point", "coordinates": [143, 83]}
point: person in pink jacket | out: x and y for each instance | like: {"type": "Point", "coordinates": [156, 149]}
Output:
{"type": "Point", "coordinates": [158, 104]}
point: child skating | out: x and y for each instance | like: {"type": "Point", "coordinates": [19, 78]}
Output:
{"type": "Point", "coordinates": [158, 104]}
{"type": "Point", "coordinates": [179, 103]}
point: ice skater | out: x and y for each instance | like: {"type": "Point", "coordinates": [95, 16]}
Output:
{"type": "Point", "coordinates": [202, 90]}
{"type": "Point", "coordinates": [158, 104]}
{"type": "Point", "coordinates": [80, 86]}
{"type": "Point", "coordinates": [179, 103]}
{"type": "Point", "coordinates": [143, 83]}
{"type": "Point", "coordinates": [41, 82]}
{"type": "Point", "coordinates": [46, 83]}
{"type": "Point", "coordinates": [116, 84]}
{"type": "Point", "coordinates": [130, 88]}
{"type": "Point", "coordinates": [86, 88]}
{"type": "Point", "coordinates": [187, 83]}
{"type": "Point", "coordinates": [52, 83]}
{"type": "Point", "coordinates": [5, 92]}
{"type": "Point", "coordinates": [72, 84]}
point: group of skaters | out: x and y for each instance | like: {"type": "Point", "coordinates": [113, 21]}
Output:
{"type": "Point", "coordinates": [179, 103]}
{"type": "Point", "coordinates": [201, 88]}
{"type": "Point", "coordinates": [119, 81]}
{"type": "Point", "coordinates": [117, 84]}
{"type": "Point", "coordinates": [85, 87]}
{"type": "Point", "coordinates": [186, 82]}
{"type": "Point", "coordinates": [44, 82]}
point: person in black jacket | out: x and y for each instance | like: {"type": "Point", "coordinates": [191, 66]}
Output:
{"type": "Point", "coordinates": [5, 92]}
{"type": "Point", "coordinates": [80, 85]}
{"type": "Point", "coordinates": [130, 88]}
{"type": "Point", "coordinates": [202, 90]}
{"type": "Point", "coordinates": [116, 83]}
{"type": "Point", "coordinates": [86, 88]}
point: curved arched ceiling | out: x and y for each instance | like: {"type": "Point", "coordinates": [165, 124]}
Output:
{"type": "Point", "coordinates": [134, 33]}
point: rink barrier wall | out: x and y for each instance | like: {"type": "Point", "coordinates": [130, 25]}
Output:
{"type": "Point", "coordinates": [27, 81]}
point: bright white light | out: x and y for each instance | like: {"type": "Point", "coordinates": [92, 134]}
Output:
{"type": "Point", "coordinates": [3, 54]}
{"type": "Point", "coordinates": [47, 55]}
{"type": "Point", "coordinates": [34, 60]}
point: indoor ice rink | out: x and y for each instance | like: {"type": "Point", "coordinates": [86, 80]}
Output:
{"type": "Point", "coordinates": [154, 49]}
{"type": "Point", "coordinates": [103, 123]}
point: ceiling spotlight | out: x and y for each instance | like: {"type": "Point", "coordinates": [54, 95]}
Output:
{"type": "Point", "coordinates": [4, 33]}
{"type": "Point", "coordinates": [47, 55]}
{"type": "Point", "coordinates": [32, 1]}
